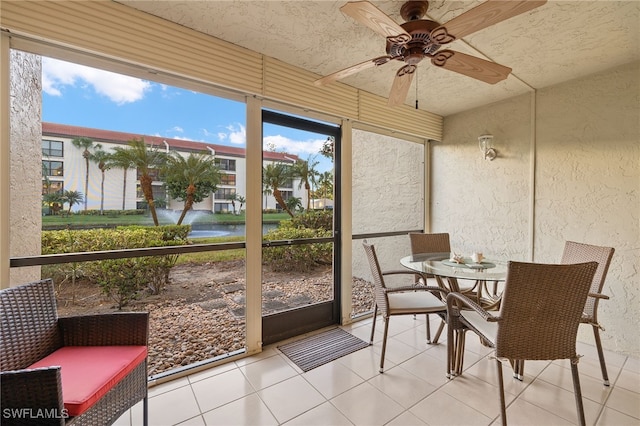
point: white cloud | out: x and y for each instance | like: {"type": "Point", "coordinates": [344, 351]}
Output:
{"type": "Point", "coordinates": [300, 148]}
{"type": "Point", "coordinates": [178, 129]}
{"type": "Point", "coordinates": [118, 88]}
{"type": "Point", "coordinates": [235, 133]}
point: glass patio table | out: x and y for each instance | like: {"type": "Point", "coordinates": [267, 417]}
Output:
{"type": "Point", "coordinates": [447, 273]}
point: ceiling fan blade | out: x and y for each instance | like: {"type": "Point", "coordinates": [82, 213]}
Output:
{"type": "Point", "coordinates": [369, 15]}
{"type": "Point", "coordinates": [471, 66]}
{"type": "Point", "coordinates": [486, 14]}
{"type": "Point", "coordinates": [401, 85]}
{"type": "Point", "coordinates": [352, 70]}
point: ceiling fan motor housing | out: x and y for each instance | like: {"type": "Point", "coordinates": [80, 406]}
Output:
{"type": "Point", "coordinates": [419, 45]}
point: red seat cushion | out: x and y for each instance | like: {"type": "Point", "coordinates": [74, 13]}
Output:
{"type": "Point", "coordinates": [89, 372]}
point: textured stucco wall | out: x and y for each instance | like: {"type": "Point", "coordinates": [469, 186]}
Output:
{"type": "Point", "coordinates": [586, 185]}
{"type": "Point", "coordinates": [388, 195]}
{"type": "Point", "coordinates": [26, 174]}
{"type": "Point", "coordinates": [484, 204]}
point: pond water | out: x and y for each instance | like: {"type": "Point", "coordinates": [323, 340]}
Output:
{"type": "Point", "coordinates": [201, 229]}
{"type": "Point", "coordinates": [223, 230]}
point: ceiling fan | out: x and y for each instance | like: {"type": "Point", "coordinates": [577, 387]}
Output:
{"type": "Point", "coordinates": [419, 38]}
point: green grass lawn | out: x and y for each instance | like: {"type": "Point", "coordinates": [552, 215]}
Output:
{"type": "Point", "coordinates": [81, 220]}
{"type": "Point", "coordinates": [213, 256]}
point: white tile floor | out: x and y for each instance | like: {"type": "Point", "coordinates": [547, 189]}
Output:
{"type": "Point", "coordinates": [268, 389]}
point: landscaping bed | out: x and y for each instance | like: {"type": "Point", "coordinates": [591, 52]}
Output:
{"type": "Point", "coordinates": [200, 314]}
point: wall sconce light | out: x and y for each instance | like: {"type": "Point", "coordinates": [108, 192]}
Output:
{"type": "Point", "coordinates": [485, 142]}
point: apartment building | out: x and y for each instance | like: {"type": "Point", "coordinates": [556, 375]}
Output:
{"type": "Point", "coordinates": [64, 168]}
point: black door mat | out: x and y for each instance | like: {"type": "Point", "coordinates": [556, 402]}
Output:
{"type": "Point", "coordinates": [319, 349]}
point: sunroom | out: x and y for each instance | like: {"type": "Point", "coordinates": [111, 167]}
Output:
{"type": "Point", "coordinates": [566, 167]}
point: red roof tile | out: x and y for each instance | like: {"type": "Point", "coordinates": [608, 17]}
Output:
{"type": "Point", "coordinates": [110, 136]}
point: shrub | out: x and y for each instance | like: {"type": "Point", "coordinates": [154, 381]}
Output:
{"type": "Point", "coordinates": [314, 219]}
{"type": "Point", "coordinates": [120, 279]}
{"type": "Point", "coordinates": [301, 258]}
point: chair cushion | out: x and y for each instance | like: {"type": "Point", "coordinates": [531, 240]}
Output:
{"type": "Point", "coordinates": [89, 372]}
{"type": "Point", "coordinates": [414, 302]}
{"type": "Point", "coordinates": [484, 327]}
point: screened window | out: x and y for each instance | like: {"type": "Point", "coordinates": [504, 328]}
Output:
{"type": "Point", "coordinates": [87, 281]}
{"type": "Point", "coordinates": [226, 164]}
{"type": "Point", "coordinates": [52, 187]}
{"type": "Point", "coordinates": [52, 148]}
{"type": "Point", "coordinates": [52, 168]}
{"type": "Point", "coordinates": [223, 207]}
{"type": "Point", "coordinates": [159, 193]}
{"type": "Point", "coordinates": [393, 206]}
{"type": "Point", "coordinates": [227, 179]}
{"type": "Point", "coordinates": [224, 193]}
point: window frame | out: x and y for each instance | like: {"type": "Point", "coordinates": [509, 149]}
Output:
{"type": "Point", "coordinates": [50, 169]}
{"type": "Point", "coordinates": [48, 151]}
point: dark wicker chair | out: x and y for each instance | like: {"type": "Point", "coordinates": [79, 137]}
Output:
{"type": "Point", "coordinates": [437, 244]}
{"type": "Point", "coordinates": [424, 243]}
{"type": "Point", "coordinates": [579, 252]}
{"type": "Point", "coordinates": [541, 310]}
{"type": "Point", "coordinates": [31, 330]}
{"type": "Point", "coordinates": [405, 300]}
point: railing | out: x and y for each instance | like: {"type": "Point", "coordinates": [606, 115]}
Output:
{"type": "Point", "coordinates": [52, 259]}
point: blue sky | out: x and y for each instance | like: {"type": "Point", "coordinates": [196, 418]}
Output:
{"type": "Point", "coordinates": [82, 96]}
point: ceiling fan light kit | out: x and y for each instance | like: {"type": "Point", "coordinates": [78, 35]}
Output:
{"type": "Point", "coordinates": [419, 38]}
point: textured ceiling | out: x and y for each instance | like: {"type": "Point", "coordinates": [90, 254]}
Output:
{"type": "Point", "coordinates": [556, 42]}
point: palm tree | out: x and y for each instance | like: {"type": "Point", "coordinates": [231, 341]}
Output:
{"type": "Point", "coordinates": [294, 203]}
{"type": "Point", "coordinates": [84, 144]}
{"type": "Point", "coordinates": [54, 201]}
{"type": "Point", "coordinates": [121, 158]}
{"type": "Point", "coordinates": [241, 200]}
{"type": "Point", "coordinates": [147, 159]}
{"type": "Point", "coordinates": [73, 198]}
{"type": "Point", "coordinates": [325, 182]}
{"type": "Point", "coordinates": [103, 160]}
{"type": "Point", "coordinates": [191, 179]}
{"type": "Point", "coordinates": [233, 197]}
{"type": "Point", "coordinates": [306, 171]}
{"type": "Point", "coordinates": [275, 175]}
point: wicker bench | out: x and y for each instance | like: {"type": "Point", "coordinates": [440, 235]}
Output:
{"type": "Point", "coordinates": [74, 370]}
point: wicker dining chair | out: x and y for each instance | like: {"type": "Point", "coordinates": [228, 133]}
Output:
{"type": "Point", "coordinates": [31, 334]}
{"type": "Point", "coordinates": [426, 243]}
{"type": "Point", "coordinates": [541, 310]}
{"type": "Point", "coordinates": [578, 252]}
{"type": "Point", "coordinates": [405, 300]}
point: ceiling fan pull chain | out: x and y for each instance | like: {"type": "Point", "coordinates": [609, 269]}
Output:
{"type": "Point", "coordinates": [416, 88]}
